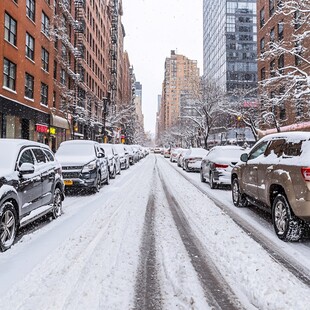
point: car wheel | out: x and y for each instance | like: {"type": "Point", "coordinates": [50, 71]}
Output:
{"type": "Point", "coordinates": [57, 203]}
{"type": "Point", "coordinates": [286, 225]}
{"type": "Point", "coordinates": [98, 183]}
{"type": "Point", "coordinates": [238, 199]}
{"type": "Point", "coordinates": [107, 180]}
{"type": "Point", "coordinates": [202, 179]}
{"type": "Point", "coordinates": [113, 174]}
{"type": "Point", "coordinates": [213, 184]}
{"type": "Point", "coordinates": [8, 225]}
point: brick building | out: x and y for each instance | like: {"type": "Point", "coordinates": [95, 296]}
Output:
{"type": "Point", "coordinates": [26, 59]}
{"type": "Point", "coordinates": [277, 30]}
{"type": "Point", "coordinates": [181, 75]}
{"type": "Point", "coordinates": [61, 62]}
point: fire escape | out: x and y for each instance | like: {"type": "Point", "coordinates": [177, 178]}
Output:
{"type": "Point", "coordinates": [113, 53]}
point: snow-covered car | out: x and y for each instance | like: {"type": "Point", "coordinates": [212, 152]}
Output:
{"type": "Point", "coordinates": [157, 150]}
{"type": "Point", "coordinates": [133, 156]}
{"type": "Point", "coordinates": [174, 154]}
{"type": "Point", "coordinates": [180, 157]}
{"type": "Point", "coordinates": [84, 164]}
{"type": "Point", "coordinates": [167, 152]}
{"type": "Point", "coordinates": [192, 159]}
{"type": "Point", "coordinates": [123, 155]}
{"type": "Point", "coordinates": [113, 159]}
{"type": "Point", "coordinates": [216, 166]}
{"type": "Point", "coordinates": [31, 186]}
{"type": "Point", "coordinates": [275, 174]}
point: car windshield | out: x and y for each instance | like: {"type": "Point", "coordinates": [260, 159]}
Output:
{"type": "Point", "coordinates": [76, 149]}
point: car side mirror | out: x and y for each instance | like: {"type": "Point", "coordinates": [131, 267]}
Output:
{"type": "Point", "coordinates": [101, 155]}
{"type": "Point", "coordinates": [26, 168]}
{"type": "Point", "coordinates": [126, 153]}
{"type": "Point", "coordinates": [244, 157]}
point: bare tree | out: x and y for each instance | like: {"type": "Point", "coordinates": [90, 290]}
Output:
{"type": "Point", "coordinates": [288, 83]}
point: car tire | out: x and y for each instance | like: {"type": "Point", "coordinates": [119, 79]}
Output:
{"type": "Point", "coordinates": [98, 183]}
{"type": "Point", "coordinates": [202, 179]}
{"type": "Point", "coordinates": [107, 180]}
{"type": "Point", "coordinates": [238, 199]}
{"type": "Point", "coordinates": [213, 184]}
{"type": "Point", "coordinates": [8, 225]}
{"type": "Point", "coordinates": [113, 174]}
{"type": "Point", "coordinates": [57, 203]}
{"type": "Point", "coordinates": [286, 225]}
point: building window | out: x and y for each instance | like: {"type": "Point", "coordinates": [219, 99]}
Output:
{"type": "Point", "coordinates": [262, 17]}
{"type": "Point", "coordinates": [281, 63]}
{"type": "Point", "coordinates": [29, 46]}
{"type": "Point", "coordinates": [9, 74]}
{"type": "Point", "coordinates": [55, 70]}
{"type": "Point", "coordinates": [45, 59]}
{"type": "Point", "coordinates": [298, 52]}
{"type": "Point", "coordinates": [10, 29]}
{"type": "Point", "coordinates": [29, 85]}
{"type": "Point", "coordinates": [271, 7]}
{"type": "Point", "coordinates": [63, 76]}
{"type": "Point", "coordinates": [262, 45]}
{"type": "Point", "coordinates": [280, 30]}
{"type": "Point", "coordinates": [31, 9]}
{"type": "Point", "coordinates": [44, 94]}
{"type": "Point", "coordinates": [272, 35]}
{"type": "Point", "coordinates": [272, 68]}
{"type": "Point", "coordinates": [45, 24]}
{"type": "Point", "coordinates": [297, 19]}
{"type": "Point", "coordinates": [263, 73]}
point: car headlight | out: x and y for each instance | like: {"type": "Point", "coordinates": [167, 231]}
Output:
{"type": "Point", "coordinates": [89, 167]}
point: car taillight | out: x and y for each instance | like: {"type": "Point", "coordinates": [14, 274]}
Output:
{"type": "Point", "coordinates": [305, 171]}
{"type": "Point", "coordinates": [220, 166]}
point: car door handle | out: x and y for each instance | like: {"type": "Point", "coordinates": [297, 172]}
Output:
{"type": "Point", "coordinates": [255, 168]}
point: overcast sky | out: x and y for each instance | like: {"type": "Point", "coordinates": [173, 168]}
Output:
{"type": "Point", "coordinates": [154, 28]}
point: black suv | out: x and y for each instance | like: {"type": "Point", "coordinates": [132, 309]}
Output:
{"type": "Point", "coordinates": [84, 164]}
{"type": "Point", "coordinates": [31, 186]}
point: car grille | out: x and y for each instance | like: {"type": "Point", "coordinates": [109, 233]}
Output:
{"type": "Point", "coordinates": [70, 175]}
{"type": "Point", "coordinates": [72, 168]}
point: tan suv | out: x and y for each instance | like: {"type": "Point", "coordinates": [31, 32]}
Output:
{"type": "Point", "coordinates": [275, 175]}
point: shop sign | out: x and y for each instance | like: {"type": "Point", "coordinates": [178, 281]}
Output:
{"type": "Point", "coordinates": [52, 130]}
{"type": "Point", "coordinates": [41, 128]}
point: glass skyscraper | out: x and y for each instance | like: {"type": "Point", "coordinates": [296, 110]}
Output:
{"type": "Point", "coordinates": [230, 43]}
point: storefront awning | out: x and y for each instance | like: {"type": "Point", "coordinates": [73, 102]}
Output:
{"type": "Point", "coordinates": [59, 122]}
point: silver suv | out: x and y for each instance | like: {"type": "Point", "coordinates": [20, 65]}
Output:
{"type": "Point", "coordinates": [275, 175]}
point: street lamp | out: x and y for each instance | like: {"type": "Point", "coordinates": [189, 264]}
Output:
{"type": "Point", "coordinates": [105, 102]}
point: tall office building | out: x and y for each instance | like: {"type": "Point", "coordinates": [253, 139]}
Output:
{"type": "Point", "coordinates": [229, 43]}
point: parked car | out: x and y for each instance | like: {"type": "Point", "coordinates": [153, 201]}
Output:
{"type": "Point", "coordinates": [180, 157]}
{"type": "Point", "coordinates": [275, 175]}
{"type": "Point", "coordinates": [167, 151]}
{"type": "Point", "coordinates": [133, 156]}
{"type": "Point", "coordinates": [216, 166]}
{"type": "Point", "coordinates": [31, 186]}
{"type": "Point", "coordinates": [157, 150]}
{"type": "Point", "coordinates": [192, 159]}
{"type": "Point", "coordinates": [84, 164]}
{"type": "Point", "coordinates": [113, 159]}
{"type": "Point", "coordinates": [123, 155]}
{"type": "Point", "coordinates": [135, 153]}
{"type": "Point", "coordinates": [174, 154]}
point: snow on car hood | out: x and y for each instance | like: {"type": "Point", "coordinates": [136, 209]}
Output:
{"type": "Point", "coordinates": [69, 160]}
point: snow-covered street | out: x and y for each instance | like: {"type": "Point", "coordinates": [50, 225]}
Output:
{"type": "Point", "coordinates": [155, 239]}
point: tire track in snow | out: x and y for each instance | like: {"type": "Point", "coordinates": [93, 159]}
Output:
{"type": "Point", "coordinates": [148, 295]}
{"type": "Point", "coordinates": [218, 293]}
{"type": "Point", "coordinates": [272, 248]}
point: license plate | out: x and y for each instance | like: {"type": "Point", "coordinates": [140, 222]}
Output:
{"type": "Point", "coordinates": [68, 182]}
